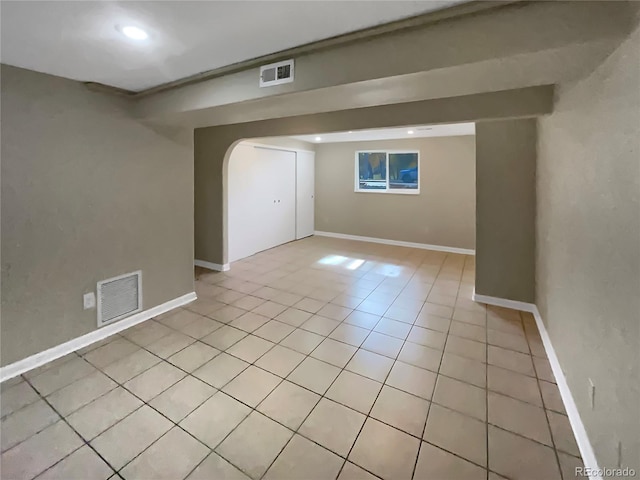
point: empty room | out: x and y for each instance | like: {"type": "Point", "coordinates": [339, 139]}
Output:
{"type": "Point", "coordinates": [329, 240]}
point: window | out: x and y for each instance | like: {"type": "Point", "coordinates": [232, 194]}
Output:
{"type": "Point", "coordinates": [387, 172]}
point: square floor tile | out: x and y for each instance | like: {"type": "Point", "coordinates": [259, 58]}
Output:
{"type": "Point", "coordinates": [427, 338]}
{"type": "Point", "coordinates": [83, 463]}
{"type": "Point", "coordinates": [354, 391]}
{"type": "Point", "coordinates": [434, 462]}
{"type": "Point", "coordinates": [250, 348]}
{"type": "Point", "coordinates": [154, 381]}
{"type": "Point", "coordinates": [146, 333]}
{"type": "Point", "coordinates": [543, 369]}
{"type": "Point", "coordinates": [508, 341]}
{"type": "Point", "coordinates": [370, 365]}
{"type": "Point", "coordinates": [551, 396]}
{"type": "Point", "coordinates": [461, 397]}
{"type": "Point", "coordinates": [383, 344]}
{"type": "Point", "coordinates": [293, 317]}
{"type": "Point", "coordinates": [563, 433]}
{"type": "Point", "coordinates": [170, 344]}
{"type": "Point", "coordinates": [393, 328]}
{"type": "Point", "coordinates": [350, 334]}
{"type": "Point", "coordinates": [457, 433]}
{"type": "Point", "coordinates": [102, 413]}
{"type": "Point", "coordinates": [81, 392]}
{"type": "Point", "coordinates": [568, 466]}
{"type": "Point", "coordinates": [465, 369]}
{"type": "Point", "coordinates": [401, 410]}
{"type": "Point", "coordinates": [320, 325]}
{"type": "Point", "coordinates": [178, 318]}
{"type": "Point", "coordinates": [26, 422]}
{"type": "Point", "coordinates": [248, 302]}
{"type": "Point", "coordinates": [224, 337]}
{"type": "Point", "coordinates": [334, 312]}
{"type": "Point", "coordinates": [333, 426]}
{"type": "Point", "coordinates": [385, 451]}
{"type": "Point", "coordinates": [194, 356]}
{"type": "Point", "coordinates": [467, 330]}
{"type": "Point", "coordinates": [274, 331]}
{"type": "Point", "coordinates": [255, 444]}
{"type": "Point", "coordinates": [373, 307]}
{"type": "Point", "coordinates": [362, 319]}
{"type": "Point", "coordinates": [16, 397]}
{"type": "Point", "coordinates": [221, 370]}
{"type": "Point", "coordinates": [112, 351]}
{"type": "Point", "coordinates": [181, 399]}
{"type": "Point", "coordinates": [514, 385]}
{"type": "Point", "coordinates": [204, 306]}
{"type": "Point", "coordinates": [212, 421]}
{"type": "Point", "coordinates": [334, 352]}
{"type": "Point", "coordinates": [215, 467]}
{"type": "Point", "coordinates": [61, 375]}
{"type": "Point", "coordinates": [303, 459]}
{"type": "Point", "coordinates": [126, 439]}
{"type": "Point", "coordinates": [415, 380]}
{"type": "Point", "coordinates": [467, 316]}
{"type": "Point", "coordinates": [347, 301]}
{"type": "Point", "coordinates": [252, 386]}
{"type": "Point", "coordinates": [516, 457]}
{"type": "Point", "coordinates": [310, 305]}
{"type": "Point", "coordinates": [518, 362]}
{"type": "Point", "coordinates": [39, 452]}
{"type": "Point", "coordinates": [249, 321]}
{"type": "Point", "coordinates": [131, 365]}
{"type": "Point", "coordinates": [171, 457]}
{"type": "Point", "coordinates": [314, 375]}
{"type": "Point", "coordinates": [435, 309]}
{"type": "Point", "coordinates": [519, 417]}
{"type": "Point", "coordinates": [433, 322]}
{"type": "Point", "coordinates": [229, 313]}
{"type": "Point", "coordinates": [302, 341]}
{"type": "Point", "coordinates": [420, 356]}
{"type": "Point", "coordinates": [270, 309]}
{"type": "Point", "coordinates": [464, 347]}
{"type": "Point", "coordinates": [201, 327]}
{"type": "Point", "coordinates": [289, 404]}
{"type": "Point", "coordinates": [280, 360]}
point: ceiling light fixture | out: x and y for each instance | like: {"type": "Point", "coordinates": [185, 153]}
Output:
{"type": "Point", "coordinates": [134, 33]}
{"type": "Point", "coordinates": [410, 132]}
{"type": "Point", "coordinates": [318, 139]}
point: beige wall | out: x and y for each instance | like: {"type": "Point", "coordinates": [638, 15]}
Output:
{"type": "Point", "coordinates": [87, 193]}
{"type": "Point", "coordinates": [443, 213]}
{"type": "Point", "coordinates": [588, 246]}
{"type": "Point", "coordinates": [212, 145]}
{"type": "Point", "coordinates": [505, 209]}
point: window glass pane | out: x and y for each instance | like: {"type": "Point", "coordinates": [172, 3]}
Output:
{"type": "Point", "coordinates": [403, 171]}
{"type": "Point", "coordinates": [372, 170]}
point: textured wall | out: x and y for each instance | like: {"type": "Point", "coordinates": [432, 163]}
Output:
{"type": "Point", "coordinates": [443, 213]}
{"type": "Point", "coordinates": [505, 209]}
{"type": "Point", "coordinates": [87, 193]}
{"type": "Point", "coordinates": [588, 241]}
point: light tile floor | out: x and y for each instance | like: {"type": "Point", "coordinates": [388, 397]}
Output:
{"type": "Point", "coordinates": [319, 359]}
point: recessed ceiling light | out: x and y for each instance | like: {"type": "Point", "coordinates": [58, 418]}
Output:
{"type": "Point", "coordinates": [134, 33]}
{"type": "Point", "coordinates": [318, 139]}
{"type": "Point", "coordinates": [410, 132]}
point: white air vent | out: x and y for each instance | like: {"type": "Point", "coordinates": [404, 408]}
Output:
{"type": "Point", "coordinates": [276, 73]}
{"type": "Point", "coordinates": [119, 297]}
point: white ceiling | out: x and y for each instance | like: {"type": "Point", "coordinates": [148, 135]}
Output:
{"type": "Point", "coordinates": [392, 133]}
{"type": "Point", "coordinates": [79, 39]}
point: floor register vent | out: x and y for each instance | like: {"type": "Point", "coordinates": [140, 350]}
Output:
{"type": "Point", "coordinates": [119, 297]}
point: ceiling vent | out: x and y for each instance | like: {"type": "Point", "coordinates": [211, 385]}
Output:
{"type": "Point", "coordinates": [119, 297]}
{"type": "Point", "coordinates": [276, 73]}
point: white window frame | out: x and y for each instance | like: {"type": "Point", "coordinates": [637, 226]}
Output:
{"type": "Point", "coordinates": [392, 191]}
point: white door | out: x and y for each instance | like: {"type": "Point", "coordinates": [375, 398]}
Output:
{"type": "Point", "coordinates": [277, 225]}
{"type": "Point", "coordinates": [305, 193]}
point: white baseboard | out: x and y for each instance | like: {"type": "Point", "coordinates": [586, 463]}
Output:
{"type": "Point", "coordinates": [582, 439]}
{"type": "Point", "coordinates": [503, 302]}
{"type": "Point", "coordinates": [397, 243]}
{"type": "Point", "coordinates": [34, 361]}
{"type": "Point", "coordinates": [212, 266]}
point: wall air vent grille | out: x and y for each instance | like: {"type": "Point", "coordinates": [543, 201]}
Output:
{"type": "Point", "coordinates": [119, 297]}
{"type": "Point", "coordinates": [276, 73]}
